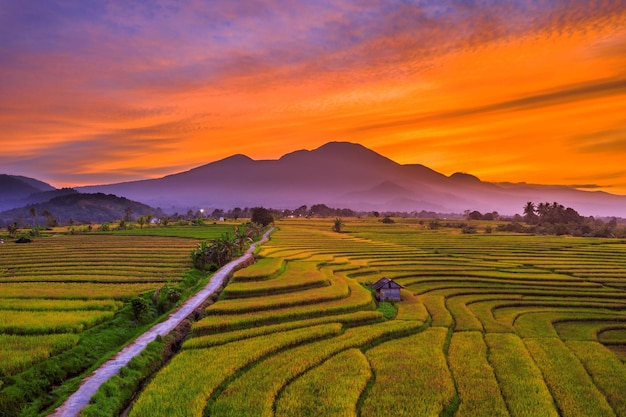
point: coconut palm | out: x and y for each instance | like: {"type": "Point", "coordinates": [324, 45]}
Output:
{"type": "Point", "coordinates": [529, 212]}
{"type": "Point", "coordinates": [241, 239]}
{"type": "Point", "coordinates": [542, 210]}
{"type": "Point", "coordinates": [33, 214]}
{"type": "Point", "coordinates": [12, 229]}
{"type": "Point", "coordinates": [338, 225]}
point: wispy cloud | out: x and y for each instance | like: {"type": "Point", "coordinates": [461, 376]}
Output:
{"type": "Point", "coordinates": [556, 96]}
{"type": "Point", "coordinates": [604, 141]}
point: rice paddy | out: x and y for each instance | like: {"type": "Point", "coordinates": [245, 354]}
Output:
{"type": "Point", "coordinates": [489, 324]}
{"type": "Point", "coordinates": [58, 293]}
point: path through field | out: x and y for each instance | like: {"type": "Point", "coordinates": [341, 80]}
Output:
{"type": "Point", "coordinates": [72, 406]}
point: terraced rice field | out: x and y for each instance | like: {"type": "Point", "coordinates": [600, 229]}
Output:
{"type": "Point", "coordinates": [56, 290]}
{"type": "Point", "coordinates": [490, 324]}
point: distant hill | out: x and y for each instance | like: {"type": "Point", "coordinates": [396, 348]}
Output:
{"type": "Point", "coordinates": [343, 174]}
{"type": "Point", "coordinates": [15, 190]}
{"type": "Point", "coordinates": [78, 207]}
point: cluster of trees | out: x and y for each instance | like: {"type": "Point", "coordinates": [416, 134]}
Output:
{"type": "Point", "coordinates": [550, 219]}
{"type": "Point", "coordinates": [215, 214]}
{"type": "Point", "coordinates": [316, 210]}
{"type": "Point", "coordinates": [322, 210]}
{"type": "Point", "coordinates": [477, 215]}
{"type": "Point", "coordinates": [319, 210]}
{"type": "Point", "coordinates": [200, 216]}
{"type": "Point", "coordinates": [556, 219]}
{"type": "Point", "coordinates": [213, 254]}
{"type": "Point", "coordinates": [554, 213]}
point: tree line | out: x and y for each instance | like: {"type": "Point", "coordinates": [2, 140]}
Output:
{"type": "Point", "coordinates": [556, 219]}
{"type": "Point", "coordinates": [211, 255]}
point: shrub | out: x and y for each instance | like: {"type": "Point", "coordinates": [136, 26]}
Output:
{"type": "Point", "coordinates": [141, 308]}
{"type": "Point", "coordinates": [261, 216]}
{"type": "Point", "coordinates": [468, 230]}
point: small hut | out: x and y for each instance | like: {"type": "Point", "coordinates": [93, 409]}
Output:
{"type": "Point", "coordinates": [387, 289]}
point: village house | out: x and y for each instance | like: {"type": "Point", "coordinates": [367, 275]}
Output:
{"type": "Point", "coordinates": [387, 289]}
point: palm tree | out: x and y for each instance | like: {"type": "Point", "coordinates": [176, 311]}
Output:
{"type": "Point", "coordinates": [529, 212]}
{"type": "Point", "coordinates": [12, 229]}
{"type": "Point", "coordinates": [33, 214]}
{"type": "Point", "coordinates": [542, 210]}
{"type": "Point", "coordinates": [529, 208]}
{"type": "Point", "coordinates": [225, 248]}
{"type": "Point", "coordinates": [215, 253]}
{"type": "Point", "coordinates": [199, 256]}
{"type": "Point", "coordinates": [241, 238]}
{"type": "Point", "coordinates": [51, 221]}
{"type": "Point", "coordinates": [338, 225]}
{"type": "Point", "coordinates": [128, 212]}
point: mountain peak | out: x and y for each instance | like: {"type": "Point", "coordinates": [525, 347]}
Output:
{"type": "Point", "coordinates": [464, 177]}
{"type": "Point", "coordinates": [237, 158]}
{"type": "Point", "coordinates": [230, 161]}
{"type": "Point", "coordinates": [332, 147]}
{"type": "Point", "coordinates": [342, 146]}
{"type": "Point", "coordinates": [348, 153]}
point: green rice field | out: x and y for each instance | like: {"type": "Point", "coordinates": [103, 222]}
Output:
{"type": "Point", "coordinates": [65, 305]}
{"type": "Point", "coordinates": [490, 324]}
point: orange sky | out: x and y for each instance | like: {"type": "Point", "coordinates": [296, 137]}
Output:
{"type": "Point", "coordinates": [527, 91]}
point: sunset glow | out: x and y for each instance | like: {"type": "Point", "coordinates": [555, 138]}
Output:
{"type": "Point", "coordinates": [102, 92]}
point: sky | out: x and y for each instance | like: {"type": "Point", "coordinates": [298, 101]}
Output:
{"type": "Point", "coordinates": [95, 92]}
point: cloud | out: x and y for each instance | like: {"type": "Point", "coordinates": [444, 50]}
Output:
{"type": "Point", "coordinates": [110, 79]}
{"type": "Point", "coordinates": [118, 154]}
{"type": "Point", "coordinates": [564, 94]}
{"type": "Point", "coordinates": [611, 140]}
{"type": "Point", "coordinates": [191, 43]}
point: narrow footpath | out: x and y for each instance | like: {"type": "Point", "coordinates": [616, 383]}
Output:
{"type": "Point", "coordinates": [90, 385]}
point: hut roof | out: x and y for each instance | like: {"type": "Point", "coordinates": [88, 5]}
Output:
{"type": "Point", "coordinates": [386, 283]}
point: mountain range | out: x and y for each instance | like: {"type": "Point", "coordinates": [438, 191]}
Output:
{"type": "Point", "coordinates": [74, 207]}
{"type": "Point", "coordinates": [17, 191]}
{"type": "Point", "coordinates": [343, 174]}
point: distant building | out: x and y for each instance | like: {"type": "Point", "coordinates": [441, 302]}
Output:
{"type": "Point", "coordinates": [387, 289]}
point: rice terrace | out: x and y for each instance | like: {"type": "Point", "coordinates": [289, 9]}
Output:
{"type": "Point", "coordinates": [491, 324]}
{"type": "Point", "coordinates": [312, 208]}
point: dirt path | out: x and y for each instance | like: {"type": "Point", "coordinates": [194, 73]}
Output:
{"type": "Point", "coordinates": [88, 387]}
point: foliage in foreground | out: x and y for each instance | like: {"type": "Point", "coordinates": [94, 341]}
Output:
{"type": "Point", "coordinates": [61, 309]}
{"type": "Point", "coordinates": [115, 394]}
{"type": "Point", "coordinates": [28, 392]}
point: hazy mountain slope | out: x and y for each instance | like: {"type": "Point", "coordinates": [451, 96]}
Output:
{"type": "Point", "coordinates": [343, 174]}
{"type": "Point", "coordinates": [79, 207]}
{"type": "Point", "coordinates": [15, 190]}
